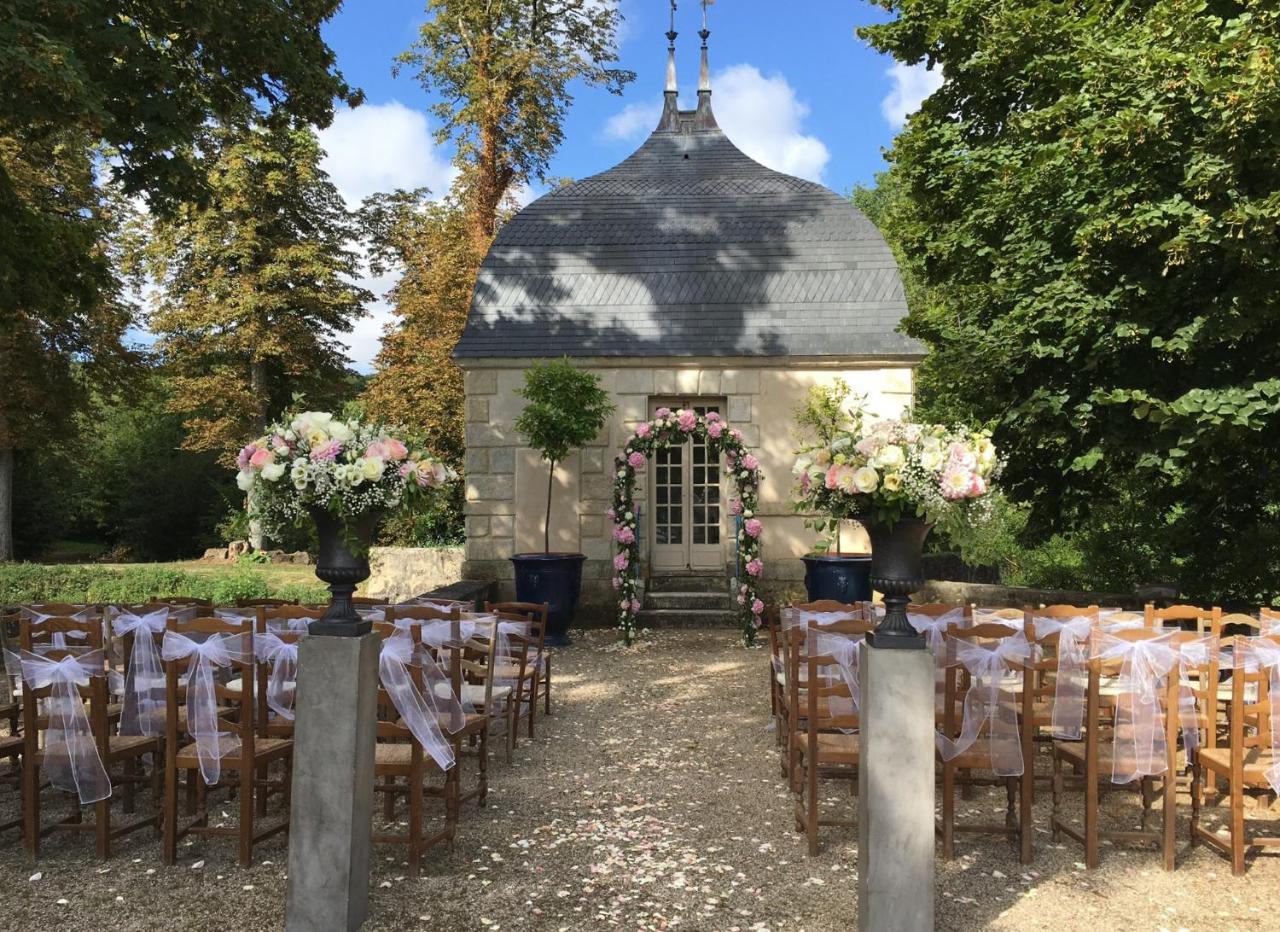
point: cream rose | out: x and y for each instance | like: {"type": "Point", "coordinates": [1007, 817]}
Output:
{"type": "Point", "coordinates": [893, 482]}
{"type": "Point", "coordinates": [890, 456]}
{"type": "Point", "coordinates": [866, 480]}
{"type": "Point", "coordinates": [273, 471]}
{"type": "Point", "coordinates": [371, 468]}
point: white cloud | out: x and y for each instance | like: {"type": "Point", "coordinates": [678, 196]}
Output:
{"type": "Point", "coordinates": [762, 115]}
{"type": "Point", "coordinates": [633, 122]}
{"type": "Point", "coordinates": [365, 338]}
{"type": "Point", "coordinates": [911, 85]}
{"type": "Point", "coordinates": [381, 147]}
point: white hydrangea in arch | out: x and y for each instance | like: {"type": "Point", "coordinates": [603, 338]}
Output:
{"type": "Point", "coordinates": [668, 429]}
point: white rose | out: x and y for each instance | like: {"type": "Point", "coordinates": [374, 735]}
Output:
{"type": "Point", "coordinates": [866, 479]}
{"type": "Point", "coordinates": [893, 482]}
{"type": "Point", "coordinates": [315, 436]}
{"type": "Point", "coordinates": [340, 432]}
{"type": "Point", "coordinates": [371, 468]}
{"type": "Point", "coordinates": [890, 457]}
{"type": "Point", "coordinates": [273, 471]}
{"type": "Point", "coordinates": [748, 513]}
{"type": "Point", "coordinates": [244, 479]}
{"type": "Point", "coordinates": [932, 459]}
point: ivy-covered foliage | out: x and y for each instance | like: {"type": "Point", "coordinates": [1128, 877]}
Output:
{"type": "Point", "coordinates": [1088, 215]}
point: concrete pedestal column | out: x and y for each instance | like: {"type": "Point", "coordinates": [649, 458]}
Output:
{"type": "Point", "coordinates": [895, 785]}
{"type": "Point", "coordinates": [333, 749]}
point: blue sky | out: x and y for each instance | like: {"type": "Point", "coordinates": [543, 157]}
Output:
{"type": "Point", "coordinates": [793, 87]}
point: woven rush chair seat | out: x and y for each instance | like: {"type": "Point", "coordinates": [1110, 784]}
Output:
{"type": "Point", "coordinates": [264, 751]}
{"type": "Point", "coordinates": [473, 693]}
{"type": "Point", "coordinates": [834, 749]}
{"type": "Point", "coordinates": [119, 746]}
{"type": "Point", "coordinates": [1257, 760]}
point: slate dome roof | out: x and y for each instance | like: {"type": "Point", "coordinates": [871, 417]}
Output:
{"type": "Point", "coordinates": [688, 248]}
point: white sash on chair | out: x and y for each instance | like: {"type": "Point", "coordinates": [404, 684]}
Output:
{"type": "Point", "coordinates": [70, 753]}
{"type": "Point", "coordinates": [202, 699]}
{"type": "Point", "coordinates": [144, 701]}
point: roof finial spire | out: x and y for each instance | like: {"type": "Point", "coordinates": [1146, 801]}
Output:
{"type": "Point", "coordinates": [704, 77]}
{"type": "Point", "coordinates": [672, 88]}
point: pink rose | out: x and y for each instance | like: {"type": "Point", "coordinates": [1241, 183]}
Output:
{"type": "Point", "coordinates": [687, 421]}
{"type": "Point", "coordinates": [832, 473]}
{"type": "Point", "coordinates": [644, 430]}
{"type": "Point", "coordinates": [326, 452]}
{"type": "Point", "coordinates": [750, 463]}
{"type": "Point", "coordinates": [736, 434]}
{"type": "Point", "coordinates": [613, 515]}
{"type": "Point", "coordinates": [624, 535]}
{"type": "Point", "coordinates": [757, 607]}
{"type": "Point", "coordinates": [742, 600]}
{"type": "Point", "coordinates": [621, 561]}
{"type": "Point", "coordinates": [753, 527]}
{"type": "Point", "coordinates": [395, 450]}
{"type": "Point", "coordinates": [635, 606]}
{"type": "Point", "coordinates": [735, 506]}
{"type": "Point", "coordinates": [636, 460]}
{"type": "Point", "coordinates": [662, 412]}
{"type": "Point", "coordinates": [261, 457]}
{"type": "Point", "coordinates": [407, 469]}
{"type": "Point", "coordinates": [979, 486]}
{"type": "Point", "coordinates": [376, 450]}
{"type": "Point", "coordinates": [712, 417]}
{"type": "Point", "coordinates": [714, 428]}
{"type": "Point", "coordinates": [617, 582]}
{"type": "Point", "coordinates": [755, 567]}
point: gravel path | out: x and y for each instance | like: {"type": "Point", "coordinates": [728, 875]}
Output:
{"type": "Point", "coordinates": [652, 799]}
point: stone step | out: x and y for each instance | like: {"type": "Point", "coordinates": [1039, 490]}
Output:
{"type": "Point", "coordinates": [687, 618]}
{"type": "Point", "coordinates": [688, 582]}
{"type": "Point", "coordinates": [688, 600]}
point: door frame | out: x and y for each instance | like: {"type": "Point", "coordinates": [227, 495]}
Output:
{"type": "Point", "coordinates": [706, 557]}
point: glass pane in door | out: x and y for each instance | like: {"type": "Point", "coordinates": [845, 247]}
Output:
{"type": "Point", "coordinates": [705, 489]}
{"type": "Point", "coordinates": [668, 491]}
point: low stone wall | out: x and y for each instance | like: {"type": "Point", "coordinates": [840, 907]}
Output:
{"type": "Point", "coordinates": [937, 590]}
{"type": "Point", "coordinates": [403, 572]}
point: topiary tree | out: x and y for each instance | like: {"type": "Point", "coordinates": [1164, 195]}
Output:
{"type": "Point", "coordinates": [566, 408]}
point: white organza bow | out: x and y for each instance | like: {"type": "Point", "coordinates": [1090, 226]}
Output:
{"type": "Point", "coordinates": [990, 700]}
{"type": "Point", "coordinates": [421, 710]}
{"type": "Point", "coordinates": [1262, 653]}
{"type": "Point", "coordinates": [144, 702]}
{"type": "Point", "coordinates": [793, 617]}
{"type": "Point", "coordinates": [59, 638]}
{"type": "Point", "coordinates": [212, 744]}
{"type": "Point", "coordinates": [1071, 680]}
{"type": "Point", "coordinates": [1195, 653]}
{"type": "Point", "coordinates": [845, 650]}
{"type": "Point", "coordinates": [282, 656]}
{"type": "Point", "coordinates": [71, 755]}
{"type": "Point", "coordinates": [1139, 745]}
{"type": "Point", "coordinates": [934, 628]}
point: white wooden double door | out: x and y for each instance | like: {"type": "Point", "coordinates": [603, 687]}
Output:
{"type": "Point", "coordinates": [685, 498]}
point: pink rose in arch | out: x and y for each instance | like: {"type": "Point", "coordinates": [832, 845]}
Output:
{"type": "Point", "coordinates": [644, 430]}
{"type": "Point", "coordinates": [613, 515]}
{"type": "Point", "coordinates": [712, 417]}
{"type": "Point", "coordinates": [736, 434]}
{"type": "Point", "coordinates": [714, 428]}
{"type": "Point", "coordinates": [662, 412]}
{"type": "Point", "coordinates": [753, 527]}
{"type": "Point", "coordinates": [624, 535]}
{"type": "Point", "coordinates": [617, 582]}
{"type": "Point", "coordinates": [750, 463]}
{"type": "Point", "coordinates": [635, 606]}
{"type": "Point", "coordinates": [636, 460]}
{"type": "Point", "coordinates": [742, 600]}
{"type": "Point", "coordinates": [755, 567]}
{"type": "Point", "coordinates": [688, 421]}
{"type": "Point", "coordinates": [735, 506]}
{"type": "Point", "coordinates": [757, 607]}
{"type": "Point", "coordinates": [620, 561]}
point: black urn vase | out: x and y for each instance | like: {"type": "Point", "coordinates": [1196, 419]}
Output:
{"type": "Point", "coordinates": [896, 571]}
{"type": "Point", "coordinates": [343, 570]}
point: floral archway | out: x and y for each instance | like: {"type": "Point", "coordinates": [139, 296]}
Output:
{"type": "Point", "coordinates": [672, 428]}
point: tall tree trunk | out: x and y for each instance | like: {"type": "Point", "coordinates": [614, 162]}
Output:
{"type": "Point", "coordinates": [6, 504]}
{"type": "Point", "coordinates": [258, 382]}
{"type": "Point", "coordinates": [546, 525]}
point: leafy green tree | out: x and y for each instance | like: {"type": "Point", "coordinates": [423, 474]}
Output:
{"type": "Point", "coordinates": [566, 407]}
{"type": "Point", "coordinates": [254, 287]}
{"type": "Point", "coordinates": [72, 334]}
{"type": "Point", "coordinates": [503, 70]}
{"type": "Point", "coordinates": [1089, 209]}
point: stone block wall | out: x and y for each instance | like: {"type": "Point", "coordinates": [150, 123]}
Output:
{"type": "Point", "coordinates": [506, 483]}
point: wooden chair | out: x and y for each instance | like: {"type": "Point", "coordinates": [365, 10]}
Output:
{"type": "Point", "coordinates": [960, 769]}
{"type": "Point", "coordinates": [541, 663]}
{"type": "Point", "coordinates": [264, 603]}
{"type": "Point", "coordinates": [112, 749]}
{"type": "Point", "coordinates": [1185, 617]}
{"type": "Point", "coordinates": [1243, 763]}
{"type": "Point", "coordinates": [824, 740]}
{"type": "Point", "coordinates": [243, 753]}
{"type": "Point", "coordinates": [400, 756]}
{"type": "Point", "coordinates": [851, 609]}
{"type": "Point", "coordinates": [364, 601]}
{"type": "Point", "coordinates": [1094, 756]}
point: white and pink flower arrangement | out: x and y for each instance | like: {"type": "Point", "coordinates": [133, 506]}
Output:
{"type": "Point", "coordinates": [890, 469]}
{"type": "Point", "coordinates": [672, 428]}
{"type": "Point", "coordinates": [344, 466]}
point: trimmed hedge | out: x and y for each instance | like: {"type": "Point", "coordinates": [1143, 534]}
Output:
{"type": "Point", "coordinates": [32, 582]}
